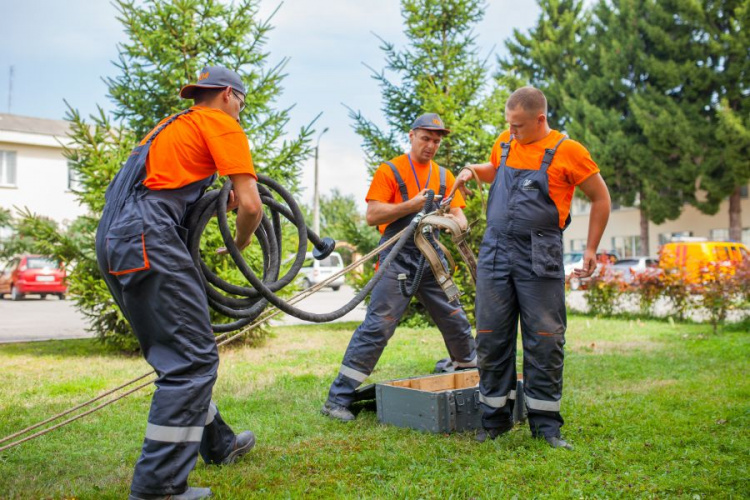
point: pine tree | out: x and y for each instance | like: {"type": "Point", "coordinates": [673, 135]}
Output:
{"type": "Point", "coordinates": [440, 71]}
{"type": "Point", "coordinates": [169, 42]}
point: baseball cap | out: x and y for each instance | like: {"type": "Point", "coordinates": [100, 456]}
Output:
{"type": "Point", "coordinates": [214, 77]}
{"type": "Point", "coordinates": [430, 121]}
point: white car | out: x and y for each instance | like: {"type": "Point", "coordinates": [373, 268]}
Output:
{"type": "Point", "coordinates": [314, 271]}
{"type": "Point", "coordinates": [635, 265]}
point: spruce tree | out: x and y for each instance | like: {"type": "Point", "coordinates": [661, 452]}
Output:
{"type": "Point", "coordinates": [623, 100]}
{"type": "Point", "coordinates": [440, 71]}
{"type": "Point", "coordinates": [169, 42]}
{"type": "Point", "coordinates": [543, 56]}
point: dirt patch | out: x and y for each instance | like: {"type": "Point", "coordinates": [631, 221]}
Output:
{"type": "Point", "coordinates": [610, 346]}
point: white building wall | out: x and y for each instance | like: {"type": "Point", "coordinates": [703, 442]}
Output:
{"type": "Point", "coordinates": [623, 229]}
{"type": "Point", "coordinates": [41, 180]}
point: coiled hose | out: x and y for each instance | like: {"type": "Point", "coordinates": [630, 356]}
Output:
{"type": "Point", "coordinates": [251, 301]}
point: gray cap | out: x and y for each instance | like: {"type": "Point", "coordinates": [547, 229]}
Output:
{"type": "Point", "coordinates": [214, 77]}
{"type": "Point", "coordinates": [430, 121]}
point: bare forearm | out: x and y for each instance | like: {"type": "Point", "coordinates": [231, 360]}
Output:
{"type": "Point", "coordinates": [485, 171]}
{"type": "Point", "coordinates": [247, 222]}
{"type": "Point", "coordinates": [597, 223]}
{"type": "Point", "coordinates": [385, 213]}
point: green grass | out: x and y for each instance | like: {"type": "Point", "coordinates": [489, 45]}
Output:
{"type": "Point", "coordinates": [654, 410]}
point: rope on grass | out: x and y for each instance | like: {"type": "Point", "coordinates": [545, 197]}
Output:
{"type": "Point", "coordinates": [221, 341]}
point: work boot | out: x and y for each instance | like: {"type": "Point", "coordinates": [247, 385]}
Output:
{"type": "Point", "coordinates": [243, 443]}
{"type": "Point", "coordinates": [558, 442]}
{"type": "Point", "coordinates": [493, 433]}
{"type": "Point", "coordinates": [188, 494]}
{"type": "Point", "coordinates": [337, 412]}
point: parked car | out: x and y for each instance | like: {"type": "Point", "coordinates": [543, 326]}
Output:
{"type": "Point", "coordinates": [630, 266]}
{"type": "Point", "coordinates": [574, 260]}
{"type": "Point", "coordinates": [314, 271]}
{"type": "Point", "coordinates": [33, 274]}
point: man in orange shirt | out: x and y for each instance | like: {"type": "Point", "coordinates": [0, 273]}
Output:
{"type": "Point", "coordinates": [142, 252]}
{"type": "Point", "coordinates": [534, 171]}
{"type": "Point", "coordinates": [397, 193]}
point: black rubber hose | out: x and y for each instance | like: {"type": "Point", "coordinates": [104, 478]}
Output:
{"type": "Point", "coordinates": [245, 304]}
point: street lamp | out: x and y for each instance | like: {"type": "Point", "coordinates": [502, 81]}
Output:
{"type": "Point", "coordinates": [316, 201]}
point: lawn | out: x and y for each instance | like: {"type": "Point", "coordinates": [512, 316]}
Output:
{"type": "Point", "coordinates": [654, 410]}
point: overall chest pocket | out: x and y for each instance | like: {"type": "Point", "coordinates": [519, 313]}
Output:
{"type": "Point", "coordinates": [546, 254]}
{"type": "Point", "coordinates": [126, 248]}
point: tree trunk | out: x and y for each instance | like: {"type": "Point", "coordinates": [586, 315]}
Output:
{"type": "Point", "coordinates": [645, 246]}
{"type": "Point", "coordinates": [735, 215]}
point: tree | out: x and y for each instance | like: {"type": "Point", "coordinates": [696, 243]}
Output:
{"type": "Point", "coordinates": [543, 56]}
{"type": "Point", "coordinates": [623, 100]}
{"type": "Point", "coordinates": [439, 72]}
{"type": "Point", "coordinates": [169, 42]}
{"type": "Point", "coordinates": [722, 32]}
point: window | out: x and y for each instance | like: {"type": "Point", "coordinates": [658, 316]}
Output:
{"type": "Point", "coordinates": [746, 236]}
{"type": "Point", "coordinates": [578, 245]}
{"type": "Point", "coordinates": [74, 178]}
{"type": "Point", "coordinates": [667, 237]}
{"type": "Point", "coordinates": [7, 168]}
{"type": "Point", "coordinates": [579, 206]}
{"type": "Point", "coordinates": [743, 192]}
{"type": "Point", "coordinates": [627, 246]}
{"type": "Point", "coordinates": [719, 235]}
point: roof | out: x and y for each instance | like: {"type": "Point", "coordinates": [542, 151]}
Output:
{"type": "Point", "coordinates": [41, 126]}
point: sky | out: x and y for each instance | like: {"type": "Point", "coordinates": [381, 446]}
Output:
{"type": "Point", "coordinates": [61, 50]}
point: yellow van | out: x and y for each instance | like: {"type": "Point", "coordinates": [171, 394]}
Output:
{"type": "Point", "coordinates": [692, 255]}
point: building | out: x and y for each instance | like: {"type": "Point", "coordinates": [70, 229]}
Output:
{"type": "Point", "coordinates": [623, 230]}
{"type": "Point", "coordinates": [34, 174]}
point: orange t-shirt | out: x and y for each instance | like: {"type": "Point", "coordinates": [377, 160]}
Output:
{"type": "Point", "coordinates": [385, 188]}
{"type": "Point", "coordinates": [194, 147]}
{"type": "Point", "coordinates": [571, 165]}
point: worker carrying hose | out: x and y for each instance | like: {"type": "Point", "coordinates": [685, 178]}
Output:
{"type": "Point", "coordinates": [534, 171]}
{"type": "Point", "coordinates": [142, 254]}
{"type": "Point", "coordinates": [397, 193]}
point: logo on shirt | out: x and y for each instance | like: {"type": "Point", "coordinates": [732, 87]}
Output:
{"type": "Point", "coordinates": [529, 185]}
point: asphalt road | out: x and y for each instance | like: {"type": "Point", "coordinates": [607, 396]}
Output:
{"type": "Point", "coordinates": [34, 319]}
{"type": "Point", "coordinates": [326, 300]}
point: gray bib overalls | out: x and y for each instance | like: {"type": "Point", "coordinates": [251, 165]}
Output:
{"type": "Point", "coordinates": [143, 257]}
{"type": "Point", "coordinates": [387, 306]}
{"type": "Point", "coordinates": [520, 274]}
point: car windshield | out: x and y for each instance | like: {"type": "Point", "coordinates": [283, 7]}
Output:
{"type": "Point", "coordinates": [40, 263]}
{"type": "Point", "coordinates": [570, 258]}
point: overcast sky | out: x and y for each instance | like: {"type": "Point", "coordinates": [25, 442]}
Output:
{"type": "Point", "coordinates": [61, 49]}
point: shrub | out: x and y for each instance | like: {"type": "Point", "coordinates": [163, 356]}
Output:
{"type": "Point", "coordinates": [719, 290]}
{"type": "Point", "coordinates": [649, 286]}
{"type": "Point", "coordinates": [604, 291]}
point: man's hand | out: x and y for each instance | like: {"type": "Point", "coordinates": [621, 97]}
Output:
{"type": "Point", "coordinates": [462, 178]}
{"type": "Point", "coordinates": [417, 203]}
{"type": "Point", "coordinates": [589, 264]}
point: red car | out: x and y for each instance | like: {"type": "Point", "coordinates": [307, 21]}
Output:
{"type": "Point", "coordinates": [33, 274]}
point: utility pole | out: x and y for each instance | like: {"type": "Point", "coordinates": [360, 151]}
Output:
{"type": "Point", "coordinates": [10, 87]}
{"type": "Point", "coordinates": [316, 198]}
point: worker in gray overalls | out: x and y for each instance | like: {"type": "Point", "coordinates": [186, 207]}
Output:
{"type": "Point", "coordinates": [534, 171]}
{"type": "Point", "coordinates": [397, 193]}
{"type": "Point", "coordinates": [143, 256]}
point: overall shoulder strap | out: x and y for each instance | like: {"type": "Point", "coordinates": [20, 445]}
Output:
{"type": "Point", "coordinates": [442, 181]}
{"type": "Point", "coordinates": [505, 147]}
{"type": "Point", "coordinates": [399, 181]}
{"type": "Point", "coordinates": [164, 125]}
{"type": "Point", "coordinates": [549, 154]}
